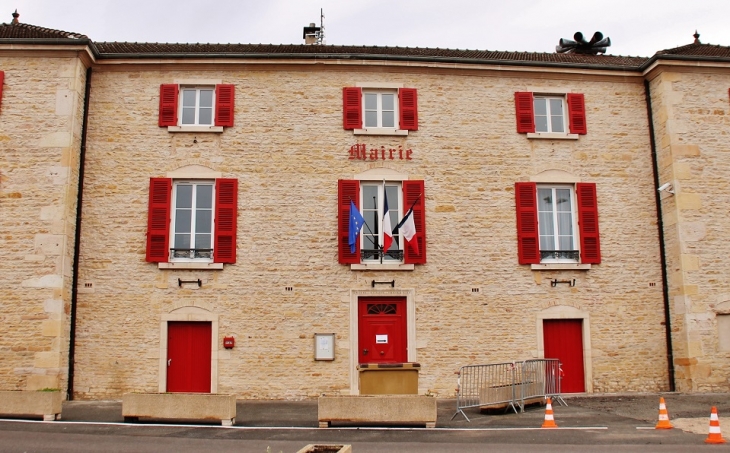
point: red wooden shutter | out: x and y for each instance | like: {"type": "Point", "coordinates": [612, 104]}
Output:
{"type": "Point", "coordinates": [412, 191]}
{"type": "Point", "coordinates": [528, 239]}
{"type": "Point", "coordinates": [224, 99]}
{"type": "Point", "coordinates": [577, 113]}
{"type": "Point", "coordinates": [168, 105]}
{"type": "Point", "coordinates": [158, 221]}
{"type": "Point", "coordinates": [590, 246]}
{"type": "Point", "coordinates": [226, 214]}
{"type": "Point", "coordinates": [2, 81]}
{"type": "Point", "coordinates": [408, 99]}
{"type": "Point", "coordinates": [525, 112]}
{"type": "Point", "coordinates": [346, 190]}
{"type": "Point", "coordinates": [352, 107]}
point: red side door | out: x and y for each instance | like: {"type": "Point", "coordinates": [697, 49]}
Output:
{"type": "Point", "coordinates": [188, 356]}
{"type": "Point", "coordinates": [563, 340]}
{"type": "Point", "coordinates": [382, 330]}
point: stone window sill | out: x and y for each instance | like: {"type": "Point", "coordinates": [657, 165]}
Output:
{"type": "Point", "coordinates": [552, 136]}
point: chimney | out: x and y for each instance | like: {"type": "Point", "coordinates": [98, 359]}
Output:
{"type": "Point", "coordinates": [15, 18]}
{"type": "Point", "coordinates": [311, 34]}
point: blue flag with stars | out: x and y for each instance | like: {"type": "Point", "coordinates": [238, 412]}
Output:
{"type": "Point", "coordinates": [356, 223]}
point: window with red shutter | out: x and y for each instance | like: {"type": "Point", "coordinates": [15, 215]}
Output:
{"type": "Point", "coordinates": [380, 111]}
{"type": "Point", "coordinates": [168, 105]}
{"type": "Point", "coordinates": [546, 215]}
{"type": "Point", "coordinates": [347, 190]}
{"type": "Point", "coordinates": [577, 113]}
{"type": "Point", "coordinates": [226, 207]}
{"type": "Point", "coordinates": [408, 99]}
{"type": "Point", "coordinates": [590, 247]}
{"type": "Point", "coordinates": [158, 220]}
{"type": "Point", "coordinates": [524, 111]}
{"type": "Point", "coordinates": [528, 248]}
{"type": "Point", "coordinates": [352, 108]}
{"type": "Point", "coordinates": [414, 196]}
{"type": "Point", "coordinates": [205, 108]}
{"type": "Point", "coordinates": [187, 209]}
{"type": "Point", "coordinates": [224, 103]}
{"type": "Point", "coordinates": [546, 116]}
{"type": "Point", "coordinates": [370, 199]}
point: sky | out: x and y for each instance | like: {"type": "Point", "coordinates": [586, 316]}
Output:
{"type": "Point", "coordinates": [636, 27]}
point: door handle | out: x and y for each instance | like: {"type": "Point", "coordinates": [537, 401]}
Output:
{"type": "Point", "coordinates": [169, 361]}
{"type": "Point", "coordinates": [364, 352]}
{"type": "Point", "coordinates": [382, 353]}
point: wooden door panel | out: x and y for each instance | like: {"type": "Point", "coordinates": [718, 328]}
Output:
{"type": "Point", "coordinates": [563, 340]}
{"type": "Point", "coordinates": [382, 330]}
{"type": "Point", "coordinates": [188, 356]}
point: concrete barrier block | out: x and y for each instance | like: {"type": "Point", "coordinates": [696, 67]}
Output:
{"type": "Point", "coordinates": [390, 409]}
{"type": "Point", "coordinates": [189, 406]}
{"type": "Point", "coordinates": [31, 403]}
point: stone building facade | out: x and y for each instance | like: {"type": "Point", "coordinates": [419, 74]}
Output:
{"type": "Point", "coordinates": [244, 160]}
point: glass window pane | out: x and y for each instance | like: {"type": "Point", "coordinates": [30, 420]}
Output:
{"type": "Point", "coordinates": [556, 107]}
{"type": "Point", "coordinates": [184, 197]}
{"type": "Point", "coordinates": [540, 106]}
{"type": "Point", "coordinates": [388, 101]}
{"type": "Point", "coordinates": [371, 101]}
{"type": "Point", "coordinates": [183, 219]}
{"type": "Point", "coordinates": [370, 221]}
{"type": "Point", "coordinates": [371, 119]}
{"type": "Point", "coordinates": [204, 196]}
{"type": "Point", "coordinates": [544, 200]}
{"type": "Point", "coordinates": [565, 224]}
{"type": "Point", "coordinates": [556, 124]}
{"type": "Point", "coordinates": [206, 116]}
{"type": "Point", "coordinates": [369, 242]}
{"type": "Point", "coordinates": [203, 221]}
{"type": "Point", "coordinates": [541, 124]}
{"type": "Point", "coordinates": [182, 241]}
{"type": "Point", "coordinates": [545, 221]}
{"type": "Point", "coordinates": [566, 243]}
{"type": "Point", "coordinates": [206, 98]}
{"type": "Point", "coordinates": [370, 197]}
{"type": "Point", "coordinates": [563, 200]}
{"type": "Point", "coordinates": [202, 241]}
{"type": "Point", "coordinates": [188, 115]}
{"type": "Point", "coordinates": [547, 243]}
{"type": "Point", "coordinates": [388, 119]}
{"type": "Point", "coordinates": [188, 98]}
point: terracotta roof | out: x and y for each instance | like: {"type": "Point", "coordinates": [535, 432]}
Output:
{"type": "Point", "coordinates": [27, 31]}
{"type": "Point", "coordinates": [698, 50]}
{"type": "Point", "coordinates": [121, 49]}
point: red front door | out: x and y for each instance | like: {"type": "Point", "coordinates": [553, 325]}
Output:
{"type": "Point", "coordinates": [188, 356]}
{"type": "Point", "coordinates": [563, 339]}
{"type": "Point", "coordinates": [382, 330]}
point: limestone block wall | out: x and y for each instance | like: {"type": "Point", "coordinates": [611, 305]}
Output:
{"type": "Point", "coordinates": [288, 149]}
{"type": "Point", "coordinates": [692, 120]}
{"type": "Point", "coordinates": [41, 119]}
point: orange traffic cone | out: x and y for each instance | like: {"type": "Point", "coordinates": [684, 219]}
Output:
{"type": "Point", "coordinates": [663, 416]}
{"type": "Point", "coordinates": [715, 436]}
{"type": "Point", "coordinates": [549, 420]}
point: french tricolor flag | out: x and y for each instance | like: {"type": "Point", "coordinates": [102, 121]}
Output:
{"type": "Point", "coordinates": [387, 228]}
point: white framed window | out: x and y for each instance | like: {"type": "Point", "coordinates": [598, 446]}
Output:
{"type": "Point", "coordinates": [557, 224]}
{"type": "Point", "coordinates": [549, 114]}
{"type": "Point", "coordinates": [197, 106]}
{"type": "Point", "coordinates": [372, 237]}
{"type": "Point", "coordinates": [192, 220]}
{"type": "Point", "coordinates": [380, 109]}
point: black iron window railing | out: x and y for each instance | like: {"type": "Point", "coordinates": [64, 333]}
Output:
{"type": "Point", "coordinates": [573, 255]}
{"type": "Point", "coordinates": [381, 255]}
{"type": "Point", "coordinates": [191, 253]}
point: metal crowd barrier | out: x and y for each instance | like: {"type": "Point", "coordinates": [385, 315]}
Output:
{"type": "Point", "coordinates": [509, 384]}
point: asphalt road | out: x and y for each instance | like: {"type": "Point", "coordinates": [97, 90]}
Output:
{"type": "Point", "coordinates": [604, 423]}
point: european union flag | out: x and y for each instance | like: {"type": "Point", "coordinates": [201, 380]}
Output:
{"type": "Point", "coordinates": [356, 223]}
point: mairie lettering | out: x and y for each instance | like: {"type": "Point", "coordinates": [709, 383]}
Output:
{"type": "Point", "coordinates": [360, 151]}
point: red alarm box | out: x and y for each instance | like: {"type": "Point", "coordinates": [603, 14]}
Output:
{"type": "Point", "coordinates": [229, 342]}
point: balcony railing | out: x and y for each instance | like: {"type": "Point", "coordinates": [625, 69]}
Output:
{"type": "Point", "coordinates": [191, 253]}
{"type": "Point", "coordinates": [380, 255]}
{"type": "Point", "coordinates": [563, 255]}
